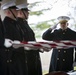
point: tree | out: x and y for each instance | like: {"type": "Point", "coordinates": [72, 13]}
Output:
{"type": "Point", "coordinates": [48, 5]}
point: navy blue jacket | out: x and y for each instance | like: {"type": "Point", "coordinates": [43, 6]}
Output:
{"type": "Point", "coordinates": [62, 59]}
{"type": "Point", "coordinates": [12, 61]}
{"type": "Point", "coordinates": [33, 58]}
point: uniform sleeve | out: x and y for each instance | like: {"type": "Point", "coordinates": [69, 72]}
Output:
{"type": "Point", "coordinates": [1, 34]}
{"type": "Point", "coordinates": [48, 35]}
{"type": "Point", "coordinates": [75, 54]}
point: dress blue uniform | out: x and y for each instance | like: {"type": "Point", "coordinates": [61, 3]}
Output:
{"type": "Point", "coordinates": [1, 43]}
{"type": "Point", "coordinates": [27, 34]}
{"type": "Point", "coordinates": [62, 59]}
{"type": "Point", "coordinates": [12, 61]}
{"type": "Point", "coordinates": [32, 56]}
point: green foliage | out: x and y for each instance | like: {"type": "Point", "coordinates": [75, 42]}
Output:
{"type": "Point", "coordinates": [42, 25]}
{"type": "Point", "coordinates": [33, 4]}
{"type": "Point", "coordinates": [45, 24]}
{"type": "Point", "coordinates": [39, 12]}
{"type": "Point", "coordinates": [36, 13]}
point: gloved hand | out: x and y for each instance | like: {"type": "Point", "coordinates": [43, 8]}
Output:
{"type": "Point", "coordinates": [30, 48]}
{"type": "Point", "coordinates": [45, 49]}
{"type": "Point", "coordinates": [41, 50]}
{"type": "Point", "coordinates": [27, 48]}
{"type": "Point", "coordinates": [54, 26]}
{"type": "Point", "coordinates": [8, 43]}
{"type": "Point", "coordinates": [16, 42]}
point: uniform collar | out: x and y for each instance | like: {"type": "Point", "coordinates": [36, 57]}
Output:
{"type": "Point", "coordinates": [64, 30]}
{"type": "Point", "coordinates": [21, 19]}
{"type": "Point", "coordinates": [10, 19]}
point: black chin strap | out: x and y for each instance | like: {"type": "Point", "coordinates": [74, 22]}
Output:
{"type": "Point", "coordinates": [24, 14]}
{"type": "Point", "coordinates": [12, 13]}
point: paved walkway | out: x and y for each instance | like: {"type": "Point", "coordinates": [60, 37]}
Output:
{"type": "Point", "coordinates": [45, 59]}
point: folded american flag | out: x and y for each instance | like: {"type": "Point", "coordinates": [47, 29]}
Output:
{"type": "Point", "coordinates": [47, 44]}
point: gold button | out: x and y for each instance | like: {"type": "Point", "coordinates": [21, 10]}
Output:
{"type": "Point", "coordinates": [58, 50]}
{"type": "Point", "coordinates": [8, 50]}
{"type": "Point", "coordinates": [63, 33]}
{"type": "Point", "coordinates": [5, 49]}
{"type": "Point", "coordinates": [65, 30]}
{"type": "Point", "coordinates": [26, 61]}
{"type": "Point", "coordinates": [64, 51]}
{"type": "Point", "coordinates": [7, 61]}
{"type": "Point", "coordinates": [57, 58]}
{"type": "Point", "coordinates": [10, 60]}
{"type": "Point", "coordinates": [63, 59]}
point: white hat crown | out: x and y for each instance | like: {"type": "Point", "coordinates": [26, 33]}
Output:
{"type": "Point", "coordinates": [7, 3]}
{"type": "Point", "coordinates": [63, 18]}
{"type": "Point", "coordinates": [21, 4]}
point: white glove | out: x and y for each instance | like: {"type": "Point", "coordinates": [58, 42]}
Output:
{"type": "Point", "coordinates": [16, 42]}
{"type": "Point", "coordinates": [30, 48]}
{"type": "Point", "coordinates": [27, 48]}
{"type": "Point", "coordinates": [8, 43]}
{"type": "Point", "coordinates": [45, 49]}
{"type": "Point", "coordinates": [53, 27]}
{"type": "Point", "coordinates": [41, 49]}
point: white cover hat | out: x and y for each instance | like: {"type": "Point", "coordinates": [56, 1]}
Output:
{"type": "Point", "coordinates": [7, 3]}
{"type": "Point", "coordinates": [21, 4]}
{"type": "Point", "coordinates": [63, 19]}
